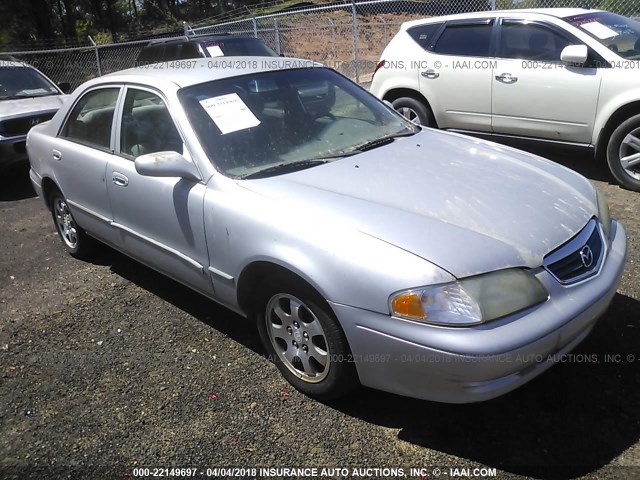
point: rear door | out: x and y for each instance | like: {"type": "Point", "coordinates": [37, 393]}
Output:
{"type": "Point", "coordinates": [457, 79]}
{"type": "Point", "coordinates": [81, 153]}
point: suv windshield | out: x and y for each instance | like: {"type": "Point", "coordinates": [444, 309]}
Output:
{"type": "Point", "coordinates": [24, 82]}
{"type": "Point", "coordinates": [238, 47]}
{"type": "Point", "coordinates": [619, 34]}
{"type": "Point", "coordinates": [278, 121]}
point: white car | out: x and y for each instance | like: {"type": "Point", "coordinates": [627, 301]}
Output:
{"type": "Point", "coordinates": [556, 75]}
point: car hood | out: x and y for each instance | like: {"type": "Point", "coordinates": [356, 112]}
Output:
{"type": "Point", "coordinates": [467, 205]}
{"type": "Point", "coordinates": [20, 107]}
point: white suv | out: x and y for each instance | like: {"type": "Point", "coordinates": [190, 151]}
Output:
{"type": "Point", "coordinates": [557, 75]}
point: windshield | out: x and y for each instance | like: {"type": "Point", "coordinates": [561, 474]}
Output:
{"type": "Point", "coordinates": [238, 47]}
{"type": "Point", "coordinates": [619, 34]}
{"type": "Point", "coordinates": [296, 118]}
{"type": "Point", "coordinates": [24, 82]}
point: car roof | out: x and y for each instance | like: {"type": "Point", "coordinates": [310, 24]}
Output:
{"type": "Point", "coordinates": [211, 36]}
{"type": "Point", "coordinates": [553, 12]}
{"type": "Point", "coordinates": [201, 70]}
{"type": "Point", "coordinates": [14, 64]}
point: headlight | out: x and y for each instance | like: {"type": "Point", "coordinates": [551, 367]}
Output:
{"type": "Point", "coordinates": [603, 213]}
{"type": "Point", "coordinates": [470, 301]}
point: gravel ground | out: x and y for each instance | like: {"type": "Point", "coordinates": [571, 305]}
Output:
{"type": "Point", "coordinates": [106, 366]}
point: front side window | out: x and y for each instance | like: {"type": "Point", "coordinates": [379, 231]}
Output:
{"type": "Point", "coordinates": [530, 41]}
{"type": "Point", "coordinates": [91, 119]}
{"type": "Point", "coordinates": [466, 39]}
{"type": "Point", "coordinates": [619, 34]}
{"type": "Point", "coordinates": [273, 122]}
{"type": "Point", "coordinates": [147, 126]}
{"type": "Point", "coordinates": [24, 82]}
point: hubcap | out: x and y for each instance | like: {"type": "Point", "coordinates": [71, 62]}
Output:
{"type": "Point", "coordinates": [630, 154]}
{"type": "Point", "coordinates": [297, 338]}
{"type": "Point", "coordinates": [64, 222]}
{"type": "Point", "coordinates": [410, 114]}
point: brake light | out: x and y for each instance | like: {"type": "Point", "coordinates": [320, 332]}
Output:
{"type": "Point", "coordinates": [378, 67]}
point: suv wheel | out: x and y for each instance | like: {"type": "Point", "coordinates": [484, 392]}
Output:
{"type": "Point", "coordinates": [623, 153]}
{"type": "Point", "coordinates": [414, 110]}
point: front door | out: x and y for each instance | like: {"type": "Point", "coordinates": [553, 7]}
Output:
{"type": "Point", "coordinates": [160, 220]}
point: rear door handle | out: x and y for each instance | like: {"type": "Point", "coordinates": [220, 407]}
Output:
{"type": "Point", "coordinates": [430, 74]}
{"type": "Point", "coordinates": [119, 179]}
{"type": "Point", "coordinates": [56, 154]}
{"type": "Point", "coordinates": [506, 78]}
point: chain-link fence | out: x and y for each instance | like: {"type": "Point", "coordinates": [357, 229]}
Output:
{"type": "Point", "coordinates": [347, 36]}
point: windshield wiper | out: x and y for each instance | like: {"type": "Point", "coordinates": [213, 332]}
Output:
{"type": "Point", "coordinates": [379, 142]}
{"type": "Point", "coordinates": [20, 97]}
{"type": "Point", "coordinates": [287, 167]}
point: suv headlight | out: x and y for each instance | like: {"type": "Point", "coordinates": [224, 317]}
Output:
{"type": "Point", "coordinates": [470, 301]}
{"type": "Point", "coordinates": [603, 213]}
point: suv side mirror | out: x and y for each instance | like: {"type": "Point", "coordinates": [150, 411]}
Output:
{"type": "Point", "coordinates": [575, 54]}
{"type": "Point", "coordinates": [166, 164]}
{"type": "Point", "coordinates": [65, 87]}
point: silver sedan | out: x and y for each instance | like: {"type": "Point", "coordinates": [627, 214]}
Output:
{"type": "Point", "coordinates": [367, 249]}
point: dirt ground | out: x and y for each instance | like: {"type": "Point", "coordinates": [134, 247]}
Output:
{"type": "Point", "coordinates": [106, 366]}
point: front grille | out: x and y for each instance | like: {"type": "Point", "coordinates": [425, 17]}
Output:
{"type": "Point", "coordinates": [20, 126]}
{"type": "Point", "coordinates": [579, 258]}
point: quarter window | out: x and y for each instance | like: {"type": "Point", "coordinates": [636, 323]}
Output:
{"type": "Point", "coordinates": [91, 119]}
{"type": "Point", "coordinates": [530, 41]}
{"type": "Point", "coordinates": [423, 34]}
{"type": "Point", "coordinates": [469, 40]}
{"type": "Point", "coordinates": [147, 126]}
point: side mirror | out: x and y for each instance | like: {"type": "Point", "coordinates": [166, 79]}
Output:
{"type": "Point", "coordinates": [166, 164]}
{"type": "Point", "coordinates": [575, 54]}
{"type": "Point", "coordinates": [65, 87]}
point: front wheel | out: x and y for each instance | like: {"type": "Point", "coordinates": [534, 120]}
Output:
{"type": "Point", "coordinates": [415, 111]}
{"type": "Point", "coordinates": [304, 339]}
{"type": "Point", "coordinates": [623, 153]}
{"type": "Point", "coordinates": [75, 240]}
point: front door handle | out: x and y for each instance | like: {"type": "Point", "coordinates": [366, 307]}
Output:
{"type": "Point", "coordinates": [506, 78]}
{"type": "Point", "coordinates": [56, 154]}
{"type": "Point", "coordinates": [119, 179]}
{"type": "Point", "coordinates": [430, 74]}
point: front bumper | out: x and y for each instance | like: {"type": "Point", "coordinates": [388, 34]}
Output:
{"type": "Point", "coordinates": [472, 364]}
{"type": "Point", "coordinates": [12, 150]}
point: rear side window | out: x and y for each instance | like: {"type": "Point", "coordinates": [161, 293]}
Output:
{"type": "Point", "coordinates": [423, 34]}
{"type": "Point", "coordinates": [467, 40]}
{"type": "Point", "coordinates": [151, 54]}
{"type": "Point", "coordinates": [91, 119]}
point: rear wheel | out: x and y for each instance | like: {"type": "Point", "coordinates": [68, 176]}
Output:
{"type": "Point", "coordinates": [623, 153]}
{"type": "Point", "coordinates": [415, 111]}
{"type": "Point", "coordinates": [75, 240]}
{"type": "Point", "coordinates": [304, 339]}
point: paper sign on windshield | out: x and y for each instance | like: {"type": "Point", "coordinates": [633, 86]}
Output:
{"type": "Point", "coordinates": [229, 113]}
{"type": "Point", "coordinates": [599, 30]}
{"type": "Point", "coordinates": [215, 51]}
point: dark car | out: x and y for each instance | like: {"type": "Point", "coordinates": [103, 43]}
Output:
{"type": "Point", "coordinates": [167, 49]}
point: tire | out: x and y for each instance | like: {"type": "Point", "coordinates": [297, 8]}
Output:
{"type": "Point", "coordinates": [415, 111]}
{"type": "Point", "coordinates": [624, 146]}
{"type": "Point", "coordinates": [74, 239]}
{"type": "Point", "coordinates": [303, 338]}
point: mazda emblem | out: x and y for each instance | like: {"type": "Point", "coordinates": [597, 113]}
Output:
{"type": "Point", "coordinates": [586, 256]}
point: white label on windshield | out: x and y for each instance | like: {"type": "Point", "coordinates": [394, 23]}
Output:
{"type": "Point", "coordinates": [599, 30]}
{"type": "Point", "coordinates": [229, 113]}
{"type": "Point", "coordinates": [215, 51]}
